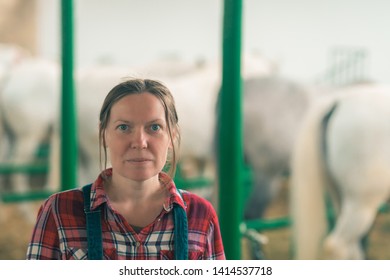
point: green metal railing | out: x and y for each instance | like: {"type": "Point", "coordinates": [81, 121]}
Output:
{"type": "Point", "coordinates": [68, 104]}
{"type": "Point", "coordinates": [230, 150]}
{"type": "Point", "coordinates": [41, 168]}
{"type": "Point", "coordinates": [28, 196]}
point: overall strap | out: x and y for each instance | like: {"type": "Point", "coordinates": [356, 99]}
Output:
{"type": "Point", "coordinates": [94, 228]}
{"type": "Point", "coordinates": [180, 232]}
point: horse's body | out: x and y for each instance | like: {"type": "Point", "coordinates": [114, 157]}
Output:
{"type": "Point", "coordinates": [273, 109]}
{"type": "Point", "coordinates": [342, 150]}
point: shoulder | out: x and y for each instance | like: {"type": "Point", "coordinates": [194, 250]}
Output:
{"type": "Point", "coordinates": [67, 196]}
{"type": "Point", "coordinates": [64, 202]}
{"type": "Point", "coordinates": [197, 205]}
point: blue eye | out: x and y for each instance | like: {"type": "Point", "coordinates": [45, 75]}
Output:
{"type": "Point", "coordinates": [123, 127]}
{"type": "Point", "coordinates": [155, 127]}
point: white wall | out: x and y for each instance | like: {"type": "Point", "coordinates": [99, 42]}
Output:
{"type": "Point", "coordinates": [297, 33]}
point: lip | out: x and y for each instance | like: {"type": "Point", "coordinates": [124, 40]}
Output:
{"type": "Point", "coordinates": [139, 160]}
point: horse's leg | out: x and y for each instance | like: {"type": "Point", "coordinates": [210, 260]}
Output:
{"type": "Point", "coordinates": [359, 162]}
{"type": "Point", "coordinates": [355, 220]}
{"type": "Point", "coordinates": [24, 152]}
{"type": "Point", "coordinates": [365, 187]}
{"type": "Point", "coordinates": [255, 207]}
{"type": "Point", "coordinates": [259, 198]}
{"type": "Point", "coordinates": [363, 192]}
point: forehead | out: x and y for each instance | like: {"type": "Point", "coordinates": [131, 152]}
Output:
{"type": "Point", "coordinates": [138, 105]}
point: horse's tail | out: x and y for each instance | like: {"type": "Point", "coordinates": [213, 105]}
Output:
{"type": "Point", "coordinates": [309, 179]}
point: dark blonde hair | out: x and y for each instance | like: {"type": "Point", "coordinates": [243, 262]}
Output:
{"type": "Point", "coordinates": [138, 86]}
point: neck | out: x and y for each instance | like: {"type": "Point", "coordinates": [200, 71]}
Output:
{"type": "Point", "coordinates": [121, 189]}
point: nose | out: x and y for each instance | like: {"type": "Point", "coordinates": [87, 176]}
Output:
{"type": "Point", "coordinates": [139, 140]}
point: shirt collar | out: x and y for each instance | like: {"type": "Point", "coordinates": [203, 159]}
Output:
{"type": "Point", "coordinates": [175, 196]}
{"type": "Point", "coordinates": [98, 193]}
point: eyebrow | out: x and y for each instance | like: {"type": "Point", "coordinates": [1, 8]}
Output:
{"type": "Point", "coordinates": [129, 122]}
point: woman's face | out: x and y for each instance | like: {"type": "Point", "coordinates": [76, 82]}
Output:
{"type": "Point", "coordinates": [137, 137]}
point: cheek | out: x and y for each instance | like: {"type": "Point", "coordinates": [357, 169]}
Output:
{"type": "Point", "coordinates": [164, 148]}
{"type": "Point", "coordinates": [111, 142]}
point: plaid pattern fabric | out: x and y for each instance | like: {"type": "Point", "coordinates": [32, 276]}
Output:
{"type": "Point", "coordinates": [60, 230]}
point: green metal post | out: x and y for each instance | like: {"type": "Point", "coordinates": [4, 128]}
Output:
{"type": "Point", "coordinates": [230, 132]}
{"type": "Point", "coordinates": [68, 111]}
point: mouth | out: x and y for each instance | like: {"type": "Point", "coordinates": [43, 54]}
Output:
{"type": "Point", "coordinates": [139, 160]}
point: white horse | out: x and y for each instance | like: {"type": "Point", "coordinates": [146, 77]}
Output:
{"type": "Point", "coordinates": [342, 149]}
{"type": "Point", "coordinates": [9, 56]}
{"type": "Point", "coordinates": [29, 98]}
{"type": "Point", "coordinates": [29, 93]}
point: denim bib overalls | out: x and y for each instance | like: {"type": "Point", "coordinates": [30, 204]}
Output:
{"type": "Point", "coordinates": [94, 229]}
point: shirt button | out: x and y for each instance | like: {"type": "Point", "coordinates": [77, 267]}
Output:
{"type": "Point", "coordinates": [137, 244]}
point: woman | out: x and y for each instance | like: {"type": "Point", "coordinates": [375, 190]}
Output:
{"type": "Point", "coordinates": [139, 212]}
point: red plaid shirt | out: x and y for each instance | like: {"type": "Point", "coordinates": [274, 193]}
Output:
{"type": "Point", "coordinates": [60, 230]}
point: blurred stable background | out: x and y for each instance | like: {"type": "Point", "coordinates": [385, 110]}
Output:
{"type": "Point", "coordinates": [313, 44]}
